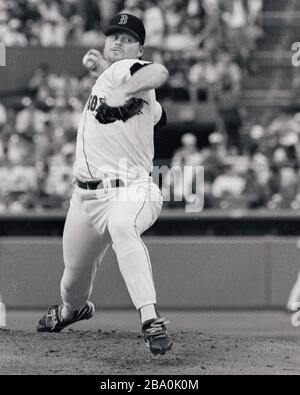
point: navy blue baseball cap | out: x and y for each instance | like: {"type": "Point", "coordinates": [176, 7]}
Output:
{"type": "Point", "coordinates": [126, 23]}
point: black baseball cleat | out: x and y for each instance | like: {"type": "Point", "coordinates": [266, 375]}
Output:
{"type": "Point", "coordinates": [156, 336]}
{"type": "Point", "coordinates": [52, 322]}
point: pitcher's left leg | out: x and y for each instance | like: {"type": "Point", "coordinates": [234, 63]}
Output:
{"type": "Point", "coordinates": [128, 219]}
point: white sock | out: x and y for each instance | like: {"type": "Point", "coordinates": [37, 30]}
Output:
{"type": "Point", "coordinates": [2, 314]}
{"type": "Point", "coordinates": [66, 313]}
{"type": "Point", "coordinates": [148, 312]}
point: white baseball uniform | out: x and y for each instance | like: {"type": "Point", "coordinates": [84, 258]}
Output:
{"type": "Point", "coordinates": [112, 216]}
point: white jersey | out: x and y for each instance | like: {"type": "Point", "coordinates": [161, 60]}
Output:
{"type": "Point", "coordinates": [118, 149]}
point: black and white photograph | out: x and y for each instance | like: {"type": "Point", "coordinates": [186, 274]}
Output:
{"type": "Point", "coordinates": [149, 190]}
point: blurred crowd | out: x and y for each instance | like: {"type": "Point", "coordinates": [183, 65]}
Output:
{"type": "Point", "coordinates": [186, 35]}
{"type": "Point", "coordinates": [260, 169]}
{"type": "Point", "coordinates": [37, 142]}
{"type": "Point", "coordinates": [265, 173]}
{"type": "Point", "coordinates": [172, 24]}
{"type": "Point", "coordinates": [207, 47]}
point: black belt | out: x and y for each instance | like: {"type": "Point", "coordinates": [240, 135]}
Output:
{"type": "Point", "coordinates": [92, 185]}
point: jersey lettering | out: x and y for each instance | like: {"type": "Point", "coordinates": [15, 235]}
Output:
{"type": "Point", "coordinates": [93, 102]}
{"type": "Point", "coordinates": [89, 104]}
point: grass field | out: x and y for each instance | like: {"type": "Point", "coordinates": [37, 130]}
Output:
{"type": "Point", "coordinates": [257, 342]}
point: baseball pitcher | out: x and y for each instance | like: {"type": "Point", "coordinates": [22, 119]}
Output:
{"type": "Point", "coordinates": [114, 199]}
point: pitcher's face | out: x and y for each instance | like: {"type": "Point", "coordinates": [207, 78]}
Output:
{"type": "Point", "coordinates": [120, 46]}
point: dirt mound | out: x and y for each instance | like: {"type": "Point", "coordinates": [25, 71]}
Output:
{"type": "Point", "coordinates": [123, 352]}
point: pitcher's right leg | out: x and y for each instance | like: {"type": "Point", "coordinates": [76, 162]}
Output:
{"type": "Point", "coordinates": [83, 250]}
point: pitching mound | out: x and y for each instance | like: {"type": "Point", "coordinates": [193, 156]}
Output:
{"type": "Point", "coordinates": [123, 352]}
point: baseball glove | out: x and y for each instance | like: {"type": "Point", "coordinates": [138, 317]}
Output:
{"type": "Point", "coordinates": [107, 114]}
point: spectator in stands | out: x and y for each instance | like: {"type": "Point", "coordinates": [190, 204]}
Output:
{"type": "Point", "coordinates": [260, 165]}
{"type": "Point", "coordinates": [108, 9]}
{"type": "Point", "coordinates": [59, 181]}
{"type": "Point", "coordinates": [3, 116]}
{"type": "Point", "coordinates": [180, 39]}
{"type": "Point", "coordinates": [133, 7]}
{"type": "Point", "coordinates": [173, 15]}
{"type": "Point", "coordinates": [30, 120]}
{"type": "Point", "coordinates": [226, 67]}
{"type": "Point", "coordinates": [154, 23]}
{"type": "Point", "coordinates": [285, 188]}
{"type": "Point", "coordinates": [90, 11]}
{"type": "Point", "coordinates": [183, 171]}
{"type": "Point", "coordinates": [177, 82]}
{"type": "Point", "coordinates": [38, 84]}
{"type": "Point", "coordinates": [204, 70]}
{"type": "Point", "coordinates": [230, 184]}
{"type": "Point", "coordinates": [238, 187]}
{"type": "Point", "coordinates": [69, 8]}
{"type": "Point", "coordinates": [78, 35]}
{"type": "Point", "coordinates": [227, 99]}
{"type": "Point", "coordinates": [23, 10]}
{"type": "Point", "coordinates": [53, 26]}
{"type": "Point", "coordinates": [11, 35]}
{"type": "Point", "coordinates": [255, 194]}
{"type": "Point", "coordinates": [254, 28]}
{"type": "Point", "coordinates": [43, 146]}
{"type": "Point", "coordinates": [289, 185]}
{"type": "Point", "coordinates": [254, 11]}
{"type": "Point", "coordinates": [22, 181]}
{"type": "Point", "coordinates": [234, 14]}
{"type": "Point", "coordinates": [4, 175]}
{"type": "Point", "coordinates": [199, 78]}
{"type": "Point", "coordinates": [203, 20]}
{"type": "Point", "coordinates": [3, 11]}
{"type": "Point", "coordinates": [188, 154]}
{"type": "Point", "coordinates": [63, 116]}
{"type": "Point", "coordinates": [214, 156]}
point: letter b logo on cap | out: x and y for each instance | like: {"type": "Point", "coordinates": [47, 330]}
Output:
{"type": "Point", "coordinates": [123, 20]}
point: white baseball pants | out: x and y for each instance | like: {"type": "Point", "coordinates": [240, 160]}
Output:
{"type": "Point", "coordinates": [109, 217]}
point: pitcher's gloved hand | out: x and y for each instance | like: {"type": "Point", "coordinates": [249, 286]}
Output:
{"type": "Point", "coordinates": [108, 114]}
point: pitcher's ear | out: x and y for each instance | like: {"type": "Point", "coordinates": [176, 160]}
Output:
{"type": "Point", "coordinates": [141, 51]}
